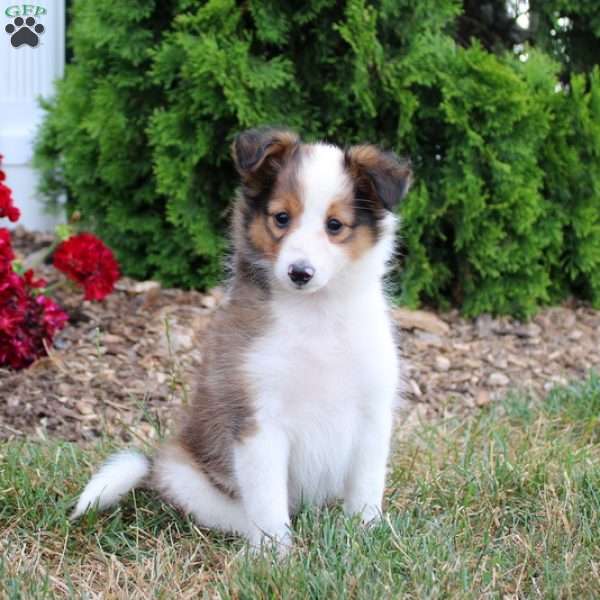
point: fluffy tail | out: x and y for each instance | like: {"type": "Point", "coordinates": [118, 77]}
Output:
{"type": "Point", "coordinates": [118, 475]}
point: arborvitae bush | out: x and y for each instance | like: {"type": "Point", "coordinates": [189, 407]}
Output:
{"type": "Point", "coordinates": [571, 163]}
{"type": "Point", "coordinates": [477, 214]}
{"type": "Point", "coordinates": [94, 143]}
{"type": "Point", "coordinates": [140, 130]}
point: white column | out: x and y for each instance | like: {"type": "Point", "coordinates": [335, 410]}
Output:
{"type": "Point", "coordinates": [26, 73]}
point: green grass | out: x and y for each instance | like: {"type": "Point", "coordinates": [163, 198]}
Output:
{"type": "Point", "coordinates": [505, 504]}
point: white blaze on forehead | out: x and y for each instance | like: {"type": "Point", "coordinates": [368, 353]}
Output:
{"type": "Point", "coordinates": [322, 178]}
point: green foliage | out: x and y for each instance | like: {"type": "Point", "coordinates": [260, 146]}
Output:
{"type": "Point", "coordinates": [571, 159]}
{"type": "Point", "coordinates": [477, 214]}
{"type": "Point", "coordinates": [504, 212]}
{"type": "Point", "coordinates": [94, 143]}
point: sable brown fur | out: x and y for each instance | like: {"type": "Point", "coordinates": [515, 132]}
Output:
{"type": "Point", "coordinates": [379, 176]}
{"type": "Point", "coordinates": [359, 231]}
{"type": "Point", "coordinates": [263, 232]}
{"type": "Point", "coordinates": [259, 155]}
{"type": "Point", "coordinates": [220, 412]}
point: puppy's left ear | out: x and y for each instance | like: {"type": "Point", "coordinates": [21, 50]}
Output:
{"type": "Point", "coordinates": [259, 154]}
{"type": "Point", "coordinates": [381, 176]}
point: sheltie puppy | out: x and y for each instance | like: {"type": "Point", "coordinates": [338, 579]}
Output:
{"type": "Point", "coordinates": [294, 401]}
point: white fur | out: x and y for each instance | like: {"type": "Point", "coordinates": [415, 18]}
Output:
{"type": "Point", "coordinates": [323, 431]}
{"type": "Point", "coordinates": [190, 489]}
{"type": "Point", "coordinates": [181, 482]}
{"type": "Point", "coordinates": [322, 179]}
{"type": "Point", "coordinates": [325, 376]}
{"type": "Point", "coordinates": [118, 475]}
{"type": "Point", "coordinates": [325, 380]}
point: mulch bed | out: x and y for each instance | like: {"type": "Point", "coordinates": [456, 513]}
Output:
{"type": "Point", "coordinates": [124, 366]}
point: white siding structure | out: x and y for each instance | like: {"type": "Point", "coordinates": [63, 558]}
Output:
{"type": "Point", "coordinates": [26, 73]}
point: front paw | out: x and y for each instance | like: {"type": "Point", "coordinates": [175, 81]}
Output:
{"type": "Point", "coordinates": [369, 514]}
{"type": "Point", "coordinates": [280, 542]}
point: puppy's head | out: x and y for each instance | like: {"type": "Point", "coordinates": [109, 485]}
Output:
{"type": "Point", "coordinates": [312, 212]}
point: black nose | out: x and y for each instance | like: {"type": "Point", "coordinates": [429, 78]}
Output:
{"type": "Point", "coordinates": [301, 273]}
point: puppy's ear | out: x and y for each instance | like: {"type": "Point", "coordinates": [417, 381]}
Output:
{"type": "Point", "coordinates": [380, 176]}
{"type": "Point", "coordinates": [260, 153]}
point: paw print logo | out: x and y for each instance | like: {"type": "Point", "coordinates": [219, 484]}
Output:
{"type": "Point", "coordinates": [24, 32]}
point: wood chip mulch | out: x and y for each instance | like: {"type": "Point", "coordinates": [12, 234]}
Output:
{"type": "Point", "coordinates": [124, 366]}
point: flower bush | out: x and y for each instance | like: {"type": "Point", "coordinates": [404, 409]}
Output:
{"type": "Point", "coordinates": [29, 319]}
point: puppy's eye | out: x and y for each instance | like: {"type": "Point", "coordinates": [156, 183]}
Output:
{"type": "Point", "coordinates": [334, 226]}
{"type": "Point", "coordinates": [282, 219]}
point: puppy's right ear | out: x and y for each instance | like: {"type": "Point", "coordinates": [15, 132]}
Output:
{"type": "Point", "coordinates": [259, 154]}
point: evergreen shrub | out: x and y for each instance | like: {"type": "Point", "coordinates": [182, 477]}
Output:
{"type": "Point", "coordinates": [504, 214]}
{"type": "Point", "coordinates": [571, 163]}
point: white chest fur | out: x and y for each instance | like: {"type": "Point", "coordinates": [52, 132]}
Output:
{"type": "Point", "coordinates": [324, 367]}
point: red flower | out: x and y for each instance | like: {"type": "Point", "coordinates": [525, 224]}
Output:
{"type": "Point", "coordinates": [13, 302]}
{"type": "Point", "coordinates": [54, 318]}
{"type": "Point", "coordinates": [6, 253]}
{"type": "Point", "coordinates": [89, 262]}
{"type": "Point", "coordinates": [7, 209]}
{"type": "Point", "coordinates": [32, 283]}
{"type": "Point", "coordinates": [26, 321]}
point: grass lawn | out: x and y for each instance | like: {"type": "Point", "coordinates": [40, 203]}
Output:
{"type": "Point", "coordinates": [503, 505]}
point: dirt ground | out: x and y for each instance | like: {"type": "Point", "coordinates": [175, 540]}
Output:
{"type": "Point", "coordinates": [122, 367]}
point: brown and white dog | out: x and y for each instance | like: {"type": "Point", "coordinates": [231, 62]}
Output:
{"type": "Point", "coordinates": [301, 374]}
